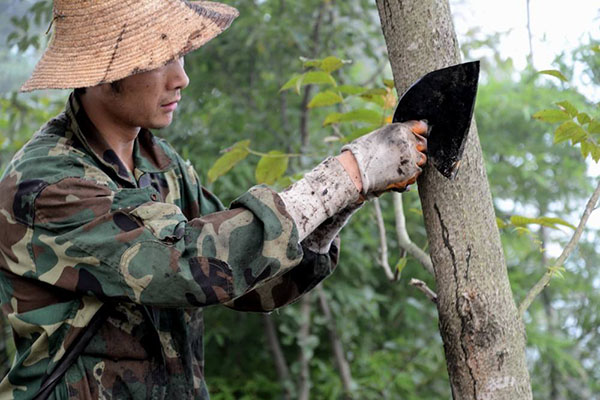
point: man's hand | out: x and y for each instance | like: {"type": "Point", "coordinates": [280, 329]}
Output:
{"type": "Point", "coordinates": [389, 158]}
{"type": "Point", "coordinates": [386, 159]}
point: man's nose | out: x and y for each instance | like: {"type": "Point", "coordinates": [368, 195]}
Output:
{"type": "Point", "coordinates": [178, 79]}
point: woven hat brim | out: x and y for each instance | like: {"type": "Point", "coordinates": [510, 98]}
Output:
{"type": "Point", "coordinates": [112, 39]}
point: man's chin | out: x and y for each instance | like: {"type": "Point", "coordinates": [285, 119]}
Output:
{"type": "Point", "coordinates": [160, 125]}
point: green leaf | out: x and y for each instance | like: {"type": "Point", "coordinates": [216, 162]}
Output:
{"type": "Point", "coordinates": [569, 130]}
{"type": "Point", "coordinates": [232, 156]}
{"type": "Point", "coordinates": [549, 222]}
{"type": "Point", "coordinates": [521, 231]}
{"type": "Point", "coordinates": [594, 127]}
{"type": "Point", "coordinates": [12, 37]}
{"type": "Point", "coordinates": [271, 167]}
{"type": "Point", "coordinates": [568, 107]}
{"type": "Point", "coordinates": [326, 98]}
{"type": "Point", "coordinates": [317, 78]}
{"type": "Point", "coordinates": [350, 89]}
{"type": "Point", "coordinates": [557, 271]}
{"type": "Point", "coordinates": [331, 64]}
{"type": "Point", "coordinates": [312, 63]}
{"type": "Point", "coordinates": [583, 118]}
{"type": "Point", "coordinates": [379, 100]}
{"type": "Point", "coordinates": [376, 96]}
{"type": "Point", "coordinates": [360, 115]}
{"type": "Point", "coordinates": [389, 83]}
{"type": "Point", "coordinates": [590, 148]}
{"type": "Point", "coordinates": [501, 224]}
{"type": "Point", "coordinates": [332, 118]}
{"type": "Point", "coordinates": [291, 83]}
{"type": "Point", "coordinates": [328, 64]}
{"type": "Point", "coordinates": [552, 116]}
{"type": "Point", "coordinates": [555, 73]}
{"type": "Point", "coordinates": [284, 181]}
{"type": "Point", "coordinates": [596, 153]}
{"type": "Point", "coordinates": [309, 78]}
{"type": "Point", "coordinates": [586, 148]}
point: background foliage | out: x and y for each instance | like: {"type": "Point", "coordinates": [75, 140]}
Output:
{"type": "Point", "coordinates": [388, 330]}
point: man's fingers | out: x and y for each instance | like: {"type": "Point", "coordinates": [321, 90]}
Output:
{"type": "Point", "coordinates": [419, 127]}
{"type": "Point", "coordinates": [422, 161]}
{"type": "Point", "coordinates": [421, 143]}
{"type": "Point", "coordinates": [399, 186]}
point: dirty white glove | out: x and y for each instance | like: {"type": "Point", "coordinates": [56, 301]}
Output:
{"type": "Point", "coordinates": [321, 194]}
{"type": "Point", "coordinates": [387, 159]}
{"type": "Point", "coordinates": [319, 241]}
{"type": "Point", "coordinates": [391, 157]}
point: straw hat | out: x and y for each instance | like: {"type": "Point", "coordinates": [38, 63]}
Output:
{"type": "Point", "coordinates": [101, 41]}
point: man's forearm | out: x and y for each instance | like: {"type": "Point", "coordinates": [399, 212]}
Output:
{"type": "Point", "coordinates": [322, 192]}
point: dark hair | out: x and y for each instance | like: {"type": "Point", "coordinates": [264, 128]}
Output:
{"type": "Point", "coordinates": [115, 86]}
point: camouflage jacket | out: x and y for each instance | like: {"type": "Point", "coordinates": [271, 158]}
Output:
{"type": "Point", "coordinates": [77, 230]}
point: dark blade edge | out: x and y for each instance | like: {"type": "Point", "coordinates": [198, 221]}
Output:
{"type": "Point", "coordinates": [446, 99]}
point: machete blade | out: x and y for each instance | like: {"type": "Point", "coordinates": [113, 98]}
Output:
{"type": "Point", "coordinates": [445, 98]}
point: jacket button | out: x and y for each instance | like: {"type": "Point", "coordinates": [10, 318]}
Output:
{"type": "Point", "coordinates": [154, 197]}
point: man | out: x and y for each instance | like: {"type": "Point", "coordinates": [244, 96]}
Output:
{"type": "Point", "coordinates": [106, 233]}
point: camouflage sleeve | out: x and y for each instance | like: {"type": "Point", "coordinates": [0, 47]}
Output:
{"type": "Point", "coordinates": [291, 285]}
{"type": "Point", "coordinates": [283, 289]}
{"type": "Point", "coordinates": [86, 238]}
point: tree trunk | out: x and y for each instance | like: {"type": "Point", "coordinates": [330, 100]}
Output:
{"type": "Point", "coordinates": [483, 335]}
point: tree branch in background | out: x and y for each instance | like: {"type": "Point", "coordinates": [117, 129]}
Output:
{"type": "Point", "coordinates": [283, 372]}
{"type": "Point", "coordinates": [404, 240]}
{"type": "Point", "coordinates": [422, 286]}
{"type": "Point", "coordinates": [383, 249]}
{"type": "Point", "coordinates": [530, 56]}
{"type": "Point", "coordinates": [336, 344]}
{"type": "Point", "coordinates": [545, 280]}
{"type": "Point", "coordinates": [304, 111]}
{"type": "Point", "coordinates": [304, 384]}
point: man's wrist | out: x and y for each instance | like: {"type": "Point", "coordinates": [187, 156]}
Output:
{"type": "Point", "coordinates": [346, 158]}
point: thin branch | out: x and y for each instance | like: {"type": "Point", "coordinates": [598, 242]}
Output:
{"type": "Point", "coordinates": [283, 372]}
{"type": "Point", "coordinates": [304, 384]}
{"type": "Point", "coordinates": [383, 243]}
{"type": "Point", "coordinates": [404, 240]}
{"type": "Point", "coordinates": [422, 286]}
{"type": "Point", "coordinates": [336, 343]}
{"type": "Point", "coordinates": [304, 110]}
{"type": "Point", "coordinates": [530, 56]}
{"type": "Point", "coordinates": [545, 280]}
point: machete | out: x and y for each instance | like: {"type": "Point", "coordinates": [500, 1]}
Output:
{"type": "Point", "coordinates": [445, 98]}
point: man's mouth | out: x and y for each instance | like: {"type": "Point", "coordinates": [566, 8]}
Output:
{"type": "Point", "coordinates": [171, 106]}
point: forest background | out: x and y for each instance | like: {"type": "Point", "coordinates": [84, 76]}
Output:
{"type": "Point", "coordinates": [361, 335]}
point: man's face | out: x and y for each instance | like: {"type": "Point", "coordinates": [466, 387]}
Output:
{"type": "Point", "coordinates": [148, 99]}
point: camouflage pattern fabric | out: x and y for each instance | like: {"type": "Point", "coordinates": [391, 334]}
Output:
{"type": "Point", "coordinates": [77, 229]}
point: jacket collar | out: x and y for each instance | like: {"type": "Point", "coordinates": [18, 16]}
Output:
{"type": "Point", "coordinates": [148, 155]}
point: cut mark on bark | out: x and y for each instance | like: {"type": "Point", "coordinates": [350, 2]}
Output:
{"type": "Point", "coordinates": [468, 262]}
{"type": "Point", "coordinates": [501, 355]}
{"type": "Point", "coordinates": [460, 313]}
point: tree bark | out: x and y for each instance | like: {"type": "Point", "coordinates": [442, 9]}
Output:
{"type": "Point", "coordinates": [483, 334]}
